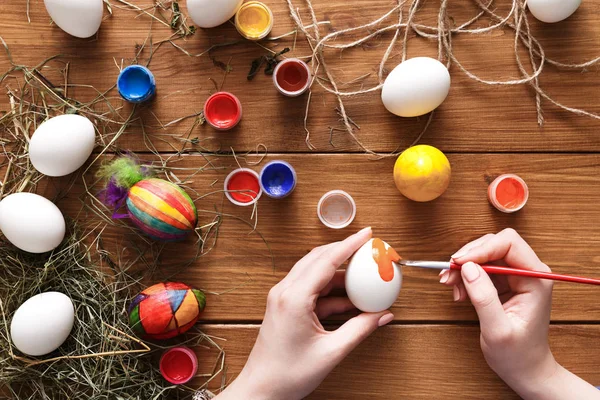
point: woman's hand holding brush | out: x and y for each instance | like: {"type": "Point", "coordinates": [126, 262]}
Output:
{"type": "Point", "coordinates": [514, 315]}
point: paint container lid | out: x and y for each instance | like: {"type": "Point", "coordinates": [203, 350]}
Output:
{"type": "Point", "coordinates": [178, 365]}
{"type": "Point", "coordinates": [136, 84]}
{"type": "Point", "coordinates": [223, 111]}
{"type": "Point", "coordinates": [336, 209]}
{"type": "Point", "coordinates": [292, 77]}
{"type": "Point", "coordinates": [277, 179]}
{"type": "Point", "coordinates": [508, 193]}
{"type": "Point", "coordinates": [242, 187]}
{"type": "Point", "coordinates": [254, 20]}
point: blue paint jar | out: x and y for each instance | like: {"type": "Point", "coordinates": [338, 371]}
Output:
{"type": "Point", "coordinates": [136, 84]}
{"type": "Point", "coordinates": [277, 179]}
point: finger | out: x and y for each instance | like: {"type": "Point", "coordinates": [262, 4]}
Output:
{"type": "Point", "coordinates": [452, 277]}
{"type": "Point", "coordinates": [459, 292]}
{"type": "Point", "coordinates": [315, 277]}
{"type": "Point", "coordinates": [357, 329]}
{"type": "Point", "coordinates": [333, 305]}
{"type": "Point", "coordinates": [306, 261]}
{"type": "Point", "coordinates": [472, 244]}
{"type": "Point", "coordinates": [484, 298]}
{"type": "Point", "coordinates": [506, 245]}
{"type": "Point", "coordinates": [337, 282]}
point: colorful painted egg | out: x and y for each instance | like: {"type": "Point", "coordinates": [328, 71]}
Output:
{"type": "Point", "coordinates": [161, 209]}
{"type": "Point", "coordinates": [165, 310]}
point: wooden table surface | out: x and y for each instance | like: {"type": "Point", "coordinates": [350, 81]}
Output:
{"type": "Point", "coordinates": [431, 350]}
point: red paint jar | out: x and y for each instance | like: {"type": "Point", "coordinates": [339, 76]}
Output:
{"type": "Point", "coordinates": [223, 111]}
{"type": "Point", "coordinates": [178, 365]}
{"type": "Point", "coordinates": [292, 77]}
{"type": "Point", "coordinates": [242, 187]}
{"type": "Point", "coordinates": [508, 193]}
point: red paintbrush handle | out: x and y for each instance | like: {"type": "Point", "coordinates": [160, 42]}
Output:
{"type": "Point", "coordinates": [493, 269]}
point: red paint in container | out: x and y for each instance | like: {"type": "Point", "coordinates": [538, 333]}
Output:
{"type": "Point", "coordinates": [242, 187]}
{"type": "Point", "coordinates": [178, 365]}
{"type": "Point", "coordinates": [223, 111]}
{"type": "Point", "coordinates": [508, 193]}
{"type": "Point", "coordinates": [292, 77]}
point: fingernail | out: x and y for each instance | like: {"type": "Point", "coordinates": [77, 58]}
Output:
{"type": "Point", "coordinates": [445, 277]}
{"type": "Point", "coordinates": [386, 319]}
{"type": "Point", "coordinates": [368, 228]}
{"type": "Point", "coordinates": [456, 293]}
{"type": "Point", "coordinates": [470, 271]}
{"type": "Point", "coordinates": [442, 271]}
{"type": "Point", "coordinates": [459, 254]}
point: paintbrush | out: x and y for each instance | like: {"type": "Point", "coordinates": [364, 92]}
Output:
{"type": "Point", "coordinates": [493, 269]}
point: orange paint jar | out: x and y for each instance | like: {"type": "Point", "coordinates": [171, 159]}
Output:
{"type": "Point", "coordinates": [508, 193]}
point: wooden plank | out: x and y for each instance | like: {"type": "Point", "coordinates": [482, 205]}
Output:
{"type": "Point", "coordinates": [418, 362]}
{"type": "Point", "coordinates": [475, 118]}
{"type": "Point", "coordinates": [560, 222]}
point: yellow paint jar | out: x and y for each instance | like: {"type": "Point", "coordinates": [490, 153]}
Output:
{"type": "Point", "coordinates": [254, 20]}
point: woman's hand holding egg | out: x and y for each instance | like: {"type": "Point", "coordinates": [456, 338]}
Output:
{"type": "Point", "coordinates": [293, 352]}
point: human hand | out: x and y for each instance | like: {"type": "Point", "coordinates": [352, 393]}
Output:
{"type": "Point", "coordinates": [293, 352]}
{"type": "Point", "coordinates": [514, 312]}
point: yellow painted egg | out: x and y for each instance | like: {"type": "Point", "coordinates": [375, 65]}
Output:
{"type": "Point", "coordinates": [422, 173]}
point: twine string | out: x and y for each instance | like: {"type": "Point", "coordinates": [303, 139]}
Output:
{"type": "Point", "coordinates": [515, 20]}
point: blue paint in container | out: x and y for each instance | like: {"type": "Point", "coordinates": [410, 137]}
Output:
{"type": "Point", "coordinates": [278, 179]}
{"type": "Point", "coordinates": [136, 84]}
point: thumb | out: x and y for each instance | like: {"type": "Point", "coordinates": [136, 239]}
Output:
{"type": "Point", "coordinates": [484, 296]}
{"type": "Point", "coordinates": [357, 329]}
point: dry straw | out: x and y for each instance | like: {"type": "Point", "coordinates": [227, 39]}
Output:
{"type": "Point", "coordinates": [101, 359]}
{"type": "Point", "coordinates": [98, 270]}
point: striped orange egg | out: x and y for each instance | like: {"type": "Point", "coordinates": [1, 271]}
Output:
{"type": "Point", "coordinates": [161, 209]}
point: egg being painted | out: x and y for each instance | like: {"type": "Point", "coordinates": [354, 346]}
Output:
{"type": "Point", "coordinates": [79, 18]}
{"type": "Point", "coordinates": [373, 279]}
{"type": "Point", "coordinates": [61, 145]}
{"type": "Point", "coordinates": [551, 11]}
{"type": "Point", "coordinates": [415, 87]}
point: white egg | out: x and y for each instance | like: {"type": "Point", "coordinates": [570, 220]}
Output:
{"type": "Point", "coordinates": [211, 13]}
{"type": "Point", "coordinates": [80, 18]}
{"type": "Point", "coordinates": [62, 144]}
{"type": "Point", "coordinates": [365, 287]}
{"type": "Point", "coordinates": [552, 10]}
{"type": "Point", "coordinates": [42, 323]}
{"type": "Point", "coordinates": [31, 222]}
{"type": "Point", "coordinates": [415, 87]}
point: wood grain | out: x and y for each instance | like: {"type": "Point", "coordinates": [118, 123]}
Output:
{"type": "Point", "coordinates": [558, 222]}
{"type": "Point", "coordinates": [418, 362]}
{"type": "Point", "coordinates": [474, 118]}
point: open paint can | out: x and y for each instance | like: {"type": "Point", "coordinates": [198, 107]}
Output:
{"type": "Point", "coordinates": [242, 187]}
{"type": "Point", "coordinates": [223, 111]}
{"type": "Point", "coordinates": [508, 193]}
{"type": "Point", "coordinates": [178, 365]}
{"type": "Point", "coordinates": [136, 84]}
{"type": "Point", "coordinates": [277, 179]}
{"type": "Point", "coordinates": [254, 20]}
{"type": "Point", "coordinates": [336, 209]}
{"type": "Point", "coordinates": [292, 77]}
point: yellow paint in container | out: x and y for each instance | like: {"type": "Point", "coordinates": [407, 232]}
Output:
{"type": "Point", "coordinates": [254, 20]}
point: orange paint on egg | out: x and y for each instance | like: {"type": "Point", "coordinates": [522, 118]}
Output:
{"type": "Point", "coordinates": [384, 259]}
